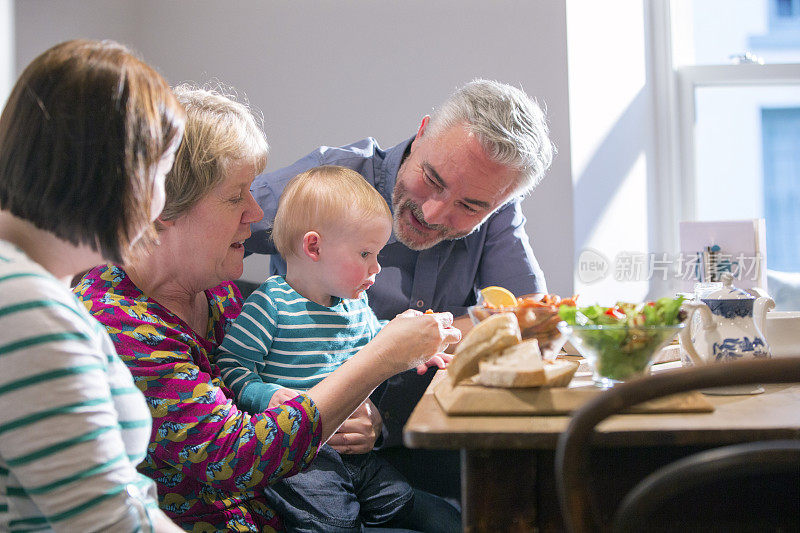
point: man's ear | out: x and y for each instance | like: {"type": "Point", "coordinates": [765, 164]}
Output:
{"type": "Point", "coordinates": [422, 126]}
{"type": "Point", "coordinates": [311, 242]}
{"type": "Point", "coordinates": [420, 132]}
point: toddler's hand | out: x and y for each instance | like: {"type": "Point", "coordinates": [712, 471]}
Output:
{"type": "Point", "coordinates": [440, 360]}
{"type": "Point", "coordinates": [281, 396]}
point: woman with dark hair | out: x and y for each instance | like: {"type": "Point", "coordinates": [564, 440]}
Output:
{"type": "Point", "coordinates": [86, 139]}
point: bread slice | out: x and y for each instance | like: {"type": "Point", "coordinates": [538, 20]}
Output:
{"type": "Point", "coordinates": [488, 337]}
{"type": "Point", "coordinates": [559, 373]}
{"type": "Point", "coordinates": [517, 366]}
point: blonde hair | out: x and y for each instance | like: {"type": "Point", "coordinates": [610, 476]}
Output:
{"type": "Point", "coordinates": [219, 132]}
{"type": "Point", "coordinates": [320, 198]}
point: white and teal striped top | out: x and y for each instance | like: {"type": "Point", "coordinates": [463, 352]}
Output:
{"type": "Point", "coordinates": [72, 423]}
{"type": "Point", "coordinates": [282, 339]}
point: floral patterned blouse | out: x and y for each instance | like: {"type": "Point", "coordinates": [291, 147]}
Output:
{"type": "Point", "coordinates": [208, 458]}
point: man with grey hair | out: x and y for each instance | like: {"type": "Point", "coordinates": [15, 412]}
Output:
{"type": "Point", "coordinates": [455, 190]}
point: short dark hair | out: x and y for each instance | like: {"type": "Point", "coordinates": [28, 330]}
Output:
{"type": "Point", "coordinates": [80, 135]}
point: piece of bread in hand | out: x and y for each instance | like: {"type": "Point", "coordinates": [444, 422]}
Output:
{"type": "Point", "coordinates": [490, 336]}
{"type": "Point", "coordinates": [519, 365]}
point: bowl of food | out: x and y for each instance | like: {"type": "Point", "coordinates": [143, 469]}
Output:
{"type": "Point", "coordinates": [537, 316]}
{"type": "Point", "coordinates": [620, 342]}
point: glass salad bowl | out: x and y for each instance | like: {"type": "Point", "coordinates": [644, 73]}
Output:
{"type": "Point", "coordinates": [617, 353]}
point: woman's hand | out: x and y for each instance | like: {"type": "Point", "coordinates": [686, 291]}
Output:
{"type": "Point", "coordinates": [359, 432]}
{"type": "Point", "coordinates": [413, 339]}
{"type": "Point", "coordinates": [407, 341]}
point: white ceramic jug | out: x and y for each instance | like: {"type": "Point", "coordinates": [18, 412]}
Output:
{"type": "Point", "coordinates": [726, 325]}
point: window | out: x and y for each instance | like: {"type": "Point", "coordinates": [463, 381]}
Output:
{"type": "Point", "coordinates": [783, 31]}
{"type": "Point", "coordinates": [736, 150]}
{"type": "Point", "coordinates": [785, 10]}
{"type": "Point", "coordinates": [727, 99]}
{"type": "Point", "coordinates": [781, 147]}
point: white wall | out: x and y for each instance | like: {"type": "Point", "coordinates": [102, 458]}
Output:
{"type": "Point", "coordinates": [331, 72]}
{"type": "Point", "coordinates": [612, 148]}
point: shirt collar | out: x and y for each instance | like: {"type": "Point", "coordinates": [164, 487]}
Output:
{"type": "Point", "coordinates": [389, 169]}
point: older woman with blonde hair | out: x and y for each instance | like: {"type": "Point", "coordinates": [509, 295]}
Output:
{"type": "Point", "coordinates": [168, 310]}
{"type": "Point", "coordinates": [86, 139]}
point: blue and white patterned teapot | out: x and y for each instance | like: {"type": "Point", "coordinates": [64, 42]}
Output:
{"type": "Point", "coordinates": [726, 325]}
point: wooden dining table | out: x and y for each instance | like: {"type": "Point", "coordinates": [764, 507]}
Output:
{"type": "Point", "coordinates": [507, 461]}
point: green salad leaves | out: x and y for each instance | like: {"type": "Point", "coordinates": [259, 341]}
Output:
{"type": "Point", "coordinates": [620, 341]}
{"type": "Point", "coordinates": [663, 312]}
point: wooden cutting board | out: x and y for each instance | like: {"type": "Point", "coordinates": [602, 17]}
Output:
{"type": "Point", "coordinates": [469, 398]}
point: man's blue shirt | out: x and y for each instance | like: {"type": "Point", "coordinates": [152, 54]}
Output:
{"type": "Point", "coordinates": [446, 277]}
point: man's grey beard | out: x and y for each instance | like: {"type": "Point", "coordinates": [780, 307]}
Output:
{"type": "Point", "coordinates": [404, 233]}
